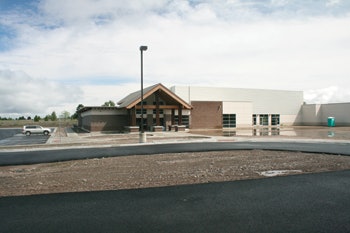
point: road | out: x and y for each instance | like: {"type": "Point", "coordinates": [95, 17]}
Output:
{"type": "Point", "coordinates": [33, 157]}
{"type": "Point", "coordinates": [301, 203]}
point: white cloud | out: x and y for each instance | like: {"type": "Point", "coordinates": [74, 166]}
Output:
{"type": "Point", "coordinates": [278, 45]}
{"type": "Point", "coordinates": [332, 94]}
{"type": "Point", "coordinates": [97, 95]}
{"type": "Point", "coordinates": [332, 2]}
{"type": "Point", "coordinates": [22, 94]}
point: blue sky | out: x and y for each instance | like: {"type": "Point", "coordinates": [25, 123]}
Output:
{"type": "Point", "coordinates": [86, 51]}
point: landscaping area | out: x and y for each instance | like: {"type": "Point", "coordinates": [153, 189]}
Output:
{"type": "Point", "coordinates": [144, 171]}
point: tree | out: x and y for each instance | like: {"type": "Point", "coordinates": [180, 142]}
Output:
{"type": "Point", "coordinates": [65, 115]}
{"type": "Point", "coordinates": [47, 117]}
{"type": "Point", "coordinates": [37, 118]}
{"type": "Point", "coordinates": [53, 116]}
{"type": "Point", "coordinates": [109, 104]}
{"type": "Point", "coordinates": [75, 115]}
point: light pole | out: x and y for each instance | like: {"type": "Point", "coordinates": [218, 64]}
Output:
{"type": "Point", "coordinates": [142, 134]}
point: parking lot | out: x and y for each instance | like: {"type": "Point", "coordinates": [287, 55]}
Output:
{"type": "Point", "coordinates": [14, 136]}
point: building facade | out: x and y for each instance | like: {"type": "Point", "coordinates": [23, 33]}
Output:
{"type": "Point", "coordinates": [209, 108]}
{"type": "Point", "coordinates": [215, 107]}
{"type": "Point", "coordinates": [317, 114]}
{"type": "Point", "coordinates": [162, 109]}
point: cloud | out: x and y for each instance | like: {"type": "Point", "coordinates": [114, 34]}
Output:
{"type": "Point", "coordinates": [103, 39]}
{"type": "Point", "coordinates": [332, 94]}
{"type": "Point", "coordinates": [331, 3]}
{"type": "Point", "coordinates": [94, 45]}
{"type": "Point", "coordinates": [23, 94]}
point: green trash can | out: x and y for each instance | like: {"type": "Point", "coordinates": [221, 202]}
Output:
{"type": "Point", "coordinates": [331, 121]}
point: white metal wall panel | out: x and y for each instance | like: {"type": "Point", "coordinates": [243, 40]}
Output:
{"type": "Point", "coordinates": [340, 111]}
{"type": "Point", "coordinates": [311, 114]}
{"type": "Point", "coordinates": [317, 114]}
{"type": "Point", "coordinates": [263, 101]}
{"type": "Point", "coordinates": [288, 120]}
{"type": "Point", "coordinates": [243, 111]}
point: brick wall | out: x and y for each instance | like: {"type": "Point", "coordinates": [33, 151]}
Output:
{"type": "Point", "coordinates": [105, 123]}
{"type": "Point", "coordinates": [206, 115]}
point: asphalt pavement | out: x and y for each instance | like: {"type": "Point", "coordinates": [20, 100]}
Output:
{"type": "Point", "coordinates": [14, 137]}
{"type": "Point", "coordinates": [300, 203]}
{"type": "Point", "coordinates": [52, 155]}
{"type": "Point", "coordinates": [9, 132]}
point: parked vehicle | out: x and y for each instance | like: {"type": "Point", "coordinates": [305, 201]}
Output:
{"type": "Point", "coordinates": [35, 129]}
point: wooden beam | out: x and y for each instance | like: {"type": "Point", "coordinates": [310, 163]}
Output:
{"type": "Point", "coordinates": [180, 115]}
{"type": "Point", "coordinates": [133, 117]}
{"type": "Point", "coordinates": [157, 108]}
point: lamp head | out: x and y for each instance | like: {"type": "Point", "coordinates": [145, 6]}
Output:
{"type": "Point", "coordinates": [143, 48]}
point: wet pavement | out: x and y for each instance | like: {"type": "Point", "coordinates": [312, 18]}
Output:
{"type": "Point", "coordinates": [66, 137]}
{"type": "Point", "coordinates": [297, 132]}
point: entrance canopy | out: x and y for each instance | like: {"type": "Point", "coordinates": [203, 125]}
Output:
{"type": "Point", "coordinates": [162, 108]}
{"type": "Point", "coordinates": [172, 100]}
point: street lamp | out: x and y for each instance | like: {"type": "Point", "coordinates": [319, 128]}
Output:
{"type": "Point", "coordinates": [142, 134]}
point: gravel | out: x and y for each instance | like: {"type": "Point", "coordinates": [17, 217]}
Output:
{"type": "Point", "coordinates": [145, 171]}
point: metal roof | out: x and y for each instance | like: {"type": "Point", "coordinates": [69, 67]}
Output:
{"type": "Point", "coordinates": [134, 98]}
{"type": "Point", "coordinates": [126, 101]}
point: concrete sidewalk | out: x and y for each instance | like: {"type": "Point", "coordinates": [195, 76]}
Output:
{"type": "Point", "coordinates": [113, 139]}
{"type": "Point", "coordinates": [287, 134]}
{"type": "Point", "coordinates": [67, 138]}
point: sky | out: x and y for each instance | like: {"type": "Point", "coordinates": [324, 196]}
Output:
{"type": "Point", "coordinates": [55, 55]}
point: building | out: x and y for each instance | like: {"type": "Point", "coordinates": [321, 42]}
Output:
{"type": "Point", "coordinates": [317, 114]}
{"type": "Point", "coordinates": [161, 109]}
{"type": "Point", "coordinates": [215, 107]}
{"type": "Point", "coordinates": [191, 107]}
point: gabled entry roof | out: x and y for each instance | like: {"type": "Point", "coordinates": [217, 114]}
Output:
{"type": "Point", "coordinates": [171, 98]}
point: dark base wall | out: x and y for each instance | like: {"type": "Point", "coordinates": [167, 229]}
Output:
{"type": "Point", "coordinates": [206, 115]}
{"type": "Point", "coordinates": [105, 123]}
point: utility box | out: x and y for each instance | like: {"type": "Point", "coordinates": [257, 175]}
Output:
{"type": "Point", "coordinates": [331, 122]}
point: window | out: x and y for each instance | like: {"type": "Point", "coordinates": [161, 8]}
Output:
{"type": "Point", "coordinates": [138, 111]}
{"type": "Point", "coordinates": [275, 119]}
{"type": "Point", "coordinates": [160, 111]}
{"type": "Point", "coordinates": [264, 119]}
{"type": "Point", "coordinates": [229, 120]}
{"type": "Point", "coordinates": [254, 119]}
{"type": "Point", "coordinates": [185, 120]}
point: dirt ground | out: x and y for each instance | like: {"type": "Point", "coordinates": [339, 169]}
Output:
{"type": "Point", "coordinates": [141, 171]}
